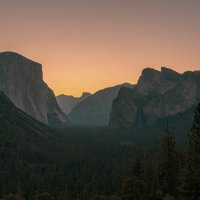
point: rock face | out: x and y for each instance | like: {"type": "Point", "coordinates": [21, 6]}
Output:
{"type": "Point", "coordinates": [95, 110]}
{"type": "Point", "coordinates": [127, 108]}
{"type": "Point", "coordinates": [13, 118]}
{"type": "Point", "coordinates": [22, 82]}
{"type": "Point", "coordinates": [157, 95]}
{"type": "Point", "coordinates": [67, 103]}
{"type": "Point", "coordinates": [156, 82]}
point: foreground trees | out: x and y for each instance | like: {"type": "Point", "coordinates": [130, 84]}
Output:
{"type": "Point", "coordinates": [169, 165]}
{"type": "Point", "coordinates": [191, 176]}
{"type": "Point", "coordinates": [71, 192]}
{"type": "Point", "coordinates": [89, 165]}
{"type": "Point", "coordinates": [133, 189]}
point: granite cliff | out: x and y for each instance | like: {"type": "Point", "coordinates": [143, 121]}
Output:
{"type": "Point", "coordinates": [157, 95]}
{"type": "Point", "coordinates": [157, 82]}
{"type": "Point", "coordinates": [15, 121]}
{"type": "Point", "coordinates": [22, 82]}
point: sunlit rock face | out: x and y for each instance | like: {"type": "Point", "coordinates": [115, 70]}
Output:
{"type": "Point", "coordinates": [22, 81]}
{"type": "Point", "coordinates": [157, 95]}
{"type": "Point", "coordinates": [13, 118]}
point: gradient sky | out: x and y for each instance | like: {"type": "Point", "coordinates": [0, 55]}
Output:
{"type": "Point", "coordinates": [86, 45]}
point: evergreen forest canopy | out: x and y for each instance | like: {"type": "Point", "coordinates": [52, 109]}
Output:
{"type": "Point", "coordinates": [95, 163]}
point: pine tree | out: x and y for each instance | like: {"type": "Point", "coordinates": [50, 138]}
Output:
{"type": "Point", "coordinates": [133, 189]}
{"type": "Point", "coordinates": [41, 194]}
{"type": "Point", "coordinates": [150, 180]}
{"type": "Point", "coordinates": [191, 177]}
{"type": "Point", "coordinates": [137, 168]}
{"type": "Point", "coordinates": [19, 190]}
{"type": "Point", "coordinates": [70, 191]}
{"type": "Point", "coordinates": [40, 189]}
{"type": "Point", "coordinates": [169, 165]}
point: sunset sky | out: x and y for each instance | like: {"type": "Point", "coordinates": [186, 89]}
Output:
{"type": "Point", "coordinates": [86, 45]}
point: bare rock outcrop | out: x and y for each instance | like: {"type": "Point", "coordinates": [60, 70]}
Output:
{"type": "Point", "coordinates": [158, 95]}
{"type": "Point", "coordinates": [22, 82]}
{"type": "Point", "coordinates": [157, 82]}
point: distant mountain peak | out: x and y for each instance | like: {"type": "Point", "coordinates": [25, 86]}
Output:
{"type": "Point", "coordinates": [170, 74]}
{"type": "Point", "coordinates": [167, 69]}
{"type": "Point", "coordinates": [149, 70]}
{"type": "Point", "coordinates": [85, 95]}
{"type": "Point", "coordinates": [68, 102]}
{"type": "Point", "coordinates": [95, 110]}
{"type": "Point", "coordinates": [153, 81]}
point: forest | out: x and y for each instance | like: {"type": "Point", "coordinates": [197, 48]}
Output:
{"type": "Point", "coordinates": [84, 163]}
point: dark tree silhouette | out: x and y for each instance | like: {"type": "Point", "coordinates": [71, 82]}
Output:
{"type": "Point", "coordinates": [169, 165]}
{"type": "Point", "coordinates": [191, 176]}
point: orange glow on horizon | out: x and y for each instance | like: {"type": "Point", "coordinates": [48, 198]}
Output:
{"type": "Point", "coordinates": [90, 45]}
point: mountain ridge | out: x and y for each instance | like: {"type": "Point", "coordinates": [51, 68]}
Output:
{"type": "Point", "coordinates": [95, 110]}
{"type": "Point", "coordinates": [68, 102]}
{"type": "Point", "coordinates": [165, 96]}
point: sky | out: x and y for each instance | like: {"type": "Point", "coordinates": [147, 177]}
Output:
{"type": "Point", "coordinates": [87, 45]}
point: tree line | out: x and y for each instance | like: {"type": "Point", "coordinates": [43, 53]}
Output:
{"type": "Point", "coordinates": [92, 166]}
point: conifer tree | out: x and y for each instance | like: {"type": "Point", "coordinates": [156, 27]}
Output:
{"type": "Point", "coordinates": [169, 165]}
{"type": "Point", "coordinates": [191, 177]}
{"type": "Point", "coordinates": [133, 189]}
{"type": "Point", "coordinates": [19, 190]}
{"type": "Point", "coordinates": [137, 168]}
{"type": "Point", "coordinates": [150, 180]}
{"type": "Point", "coordinates": [70, 191]}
